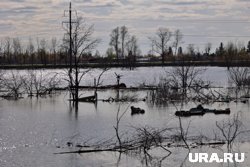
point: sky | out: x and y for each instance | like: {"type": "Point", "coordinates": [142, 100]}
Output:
{"type": "Point", "coordinates": [201, 21]}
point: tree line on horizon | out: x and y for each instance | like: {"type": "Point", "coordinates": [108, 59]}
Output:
{"type": "Point", "coordinates": [166, 46]}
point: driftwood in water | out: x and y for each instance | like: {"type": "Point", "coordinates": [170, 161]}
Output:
{"type": "Point", "coordinates": [89, 151]}
{"type": "Point", "coordinates": [200, 111]}
{"type": "Point", "coordinates": [124, 99]}
{"type": "Point", "coordinates": [136, 110]}
{"type": "Point", "coordinates": [87, 99]}
{"type": "Point", "coordinates": [211, 143]}
{"type": "Point", "coordinates": [90, 99]}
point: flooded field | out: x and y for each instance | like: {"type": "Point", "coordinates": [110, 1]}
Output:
{"type": "Point", "coordinates": [33, 130]}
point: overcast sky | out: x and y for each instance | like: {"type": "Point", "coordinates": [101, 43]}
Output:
{"type": "Point", "coordinates": [201, 21]}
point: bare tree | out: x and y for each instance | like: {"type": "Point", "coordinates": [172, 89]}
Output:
{"type": "Point", "coordinates": [82, 43]}
{"type": "Point", "coordinates": [231, 52]}
{"type": "Point", "coordinates": [190, 50]}
{"type": "Point", "coordinates": [114, 41]}
{"type": "Point", "coordinates": [163, 36]}
{"type": "Point", "coordinates": [28, 81]}
{"type": "Point", "coordinates": [2, 56]}
{"type": "Point", "coordinates": [42, 51]}
{"type": "Point", "coordinates": [38, 47]}
{"type": "Point", "coordinates": [30, 49]}
{"type": "Point", "coordinates": [116, 127]}
{"type": "Point", "coordinates": [208, 48]}
{"type": "Point", "coordinates": [183, 134]}
{"type": "Point", "coordinates": [177, 40]}
{"type": "Point", "coordinates": [53, 49]}
{"type": "Point", "coordinates": [99, 82]}
{"type": "Point", "coordinates": [184, 77]}
{"type": "Point", "coordinates": [132, 47]}
{"type": "Point", "coordinates": [13, 83]}
{"type": "Point", "coordinates": [39, 83]}
{"type": "Point", "coordinates": [7, 49]}
{"type": "Point", "coordinates": [17, 49]}
{"type": "Point", "coordinates": [1, 78]}
{"type": "Point", "coordinates": [124, 36]}
{"type": "Point", "coordinates": [230, 130]}
{"type": "Point", "coordinates": [239, 76]}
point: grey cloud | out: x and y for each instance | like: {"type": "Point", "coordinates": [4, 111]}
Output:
{"type": "Point", "coordinates": [5, 27]}
{"type": "Point", "coordinates": [18, 10]}
{"type": "Point", "coordinates": [183, 3]}
{"type": "Point", "coordinates": [16, 1]}
{"type": "Point", "coordinates": [125, 2]}
{"type": "Point", "coordinates": [107, 5]}
{"type": "Point", "coordinates": [243, 0]}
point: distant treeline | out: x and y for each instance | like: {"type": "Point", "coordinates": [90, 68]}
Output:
{"type": "Point", "coordinates": [124, 48]}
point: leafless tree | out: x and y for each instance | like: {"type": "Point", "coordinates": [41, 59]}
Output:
{"type": "Point", "coordinates": [1, 78]}
{"type": "Point", "coordinates": [2, 51]}
{"type": "Point", "coordinates": [30, 50]}
{"type": "Point", "coordinates": [239, 76]}
{"type": "Point", "coordinates": [124, 36]}
{"type": "Point", "coordinates": [13, 83]}
{"type": "Point", "coordinates": [184, 77]}
{"type": "Point", "coordinates": [42, 51]}
{"type": "Point", "coordinates": [178, 36]}
{"type": "Point", "coordinates": [231, 52]}
{"type": "Point", "coordinates": [230, 130]}
{"type": "Point", "coordinates": [28, 81]}
{"type": "Point", "coordinates": [39, 82]}
{"type": "Point", "coordinates": [116, 127]}
{"type": "Point", "coordinates": [114, 41]}
{"type": "Point", "coordinates": [82, 43]}
{"type": "Point", "coordinates": [53, 49]}
{"type": "Point", "coordinates": [183, 133]}
{"type": "Point", "coordinates": [190, 50]}
{"type": "Point", "coordinates": [163, 36]}
{"type": "Point", "coordinates": [98, 82]}
{"type": "Point", "coordinates": [208, 48]}
{"type": "Point", "coordinates": [17, 49]}
{"type": "Point", "coordinates": [7, 49]}
{"type": "Point", "coordinates": [132, 47]}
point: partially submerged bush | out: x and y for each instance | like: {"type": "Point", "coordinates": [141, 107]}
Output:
{"type": "Point", "coordinates": [13, 83]}
{"type": "Point", "coordinates": [39, 83]}
{"type": "Point", "coordinates": [32, 82]}
{"type": "Point", "coordinates": [179, 84]}
{"type": "Point", "coordinates": [239, 76]}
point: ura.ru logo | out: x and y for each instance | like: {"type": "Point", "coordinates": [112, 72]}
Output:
{"type": "Point", "coordinates": [225, 158]}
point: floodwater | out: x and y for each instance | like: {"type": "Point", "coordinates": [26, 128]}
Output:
{"type": "Point", "coordinates": [136, 77]}
{"type": "Point", "coordinates": [32, 130]}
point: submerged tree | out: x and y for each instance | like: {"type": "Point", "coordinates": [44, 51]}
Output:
{"type": "Point", "coordinates": [39, 83]}
{"type": "Point", "coordinates": [13, 83]}
{"type": "Point", "coordinates": [82, 43]}
{"type": "Point", "coordinates": [239, 76]}
{"type": "Point", "coordinates": [230, 130]}
{"type": "Point", "coordinates": [185, 77]}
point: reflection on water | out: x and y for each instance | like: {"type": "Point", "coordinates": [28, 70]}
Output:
{"type": "Point", "coordinates": [32, 130]}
